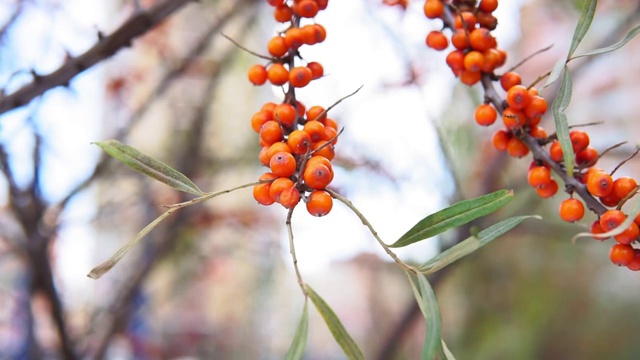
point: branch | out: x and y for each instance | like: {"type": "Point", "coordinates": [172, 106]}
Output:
{"type": "Point", "coordinates": [106, 47]}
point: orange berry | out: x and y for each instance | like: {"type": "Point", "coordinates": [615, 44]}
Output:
{"type": "Point", "coordinates": [455, 60]}
{"type": "Point", "coordinates": [579, 140]}
{"type": "Point", "coordinates": [316, 159]}
{"type": "Point", "coordinates": [294, 38]}
{"type": "Point", "coordinates": [509, 80]}
{"type": "Point", "coordinates": [278, 186]}
{"type": "Point", "coordinates": [634, 264]}
{"type": "Point", "coordinates": [290, 197]}
{"type": "Point", "coordinates": [474, 61]}
{"type": "Point", "coordinates": [513, 119]}
{"type": "Point", "coordinates": [555, 151]}
{"type": "Point", "coordinates": [516, 148]}
{"type": "Point", "coordinates": [488, 5]}
{"type": "Point", "coordinates": [597, 229]}
{"type": "Point", "coordinates": [588, 156]}
{"type": "Point", "coordinates": [257, 74]}
{"type": "Point", "coordinates": [286, 114]}
{"type": "Point", "coordinates": [314, 113]}
{"type": "Point", "coordinates": [538, 132]}
{"type": "Point", "coordinates": [282, 14]}
{"type": "Point", "coordinates": [486, 114]}
{"type": "Point", "coordinates": [501, 139]}
{"type": "Point", "coordinates": [322, 4]}
{"type": "Point", "coordinates": [460, 39]}
{"type": "Point", "coordinates": [315, 129]}
{"type": "Point", "coordinates": [317, 175]}
{"type": "Point", "coordinates": [433, 9]}
{"type": "Point", "coordinates": [518, 97]}
{"type": "Point", "coordinates": [316, 70]}
{"type": "Point", "coordinates": [600, 184]}
{"type": "Point", "coordinates": [330, 123]}
{"type": "Point", "coordinates": [319, 203]}
{"type": "Point", "coordinates": [310, 34]}
{"type": "Point", "coordinates": [623, 186]}
{"type": "Point", "coordinates": [275, 2]}
{"type": "Point", "coordinates": [548, 190]}
{"type": "Point", "coordinates": [571, 210]}
{"type": "Point", "coordinates": [437, 40]}
{"type": "Point", "coordinates": [277, 47]}
{"type": "Point", "coordinates": [321, 33]}
{"type": "Point", "coordinates": [268, 106]}
{"type": "Point", "coordinates": [481, 39]}
{"type": "Point", "coordinates": [486, 20]}
{"type": "Point", "coordinates": [277, 74]}
{"type": "Point", "coordinates": [300, 76]}
{"type": "Point", "coordinates": [261, 194]}
{"type": "Point", "coordinates": [491, 60]}
{"type": "Point", "coordinates": [609, 200]}
{"type": "Point", "coordinates": [283, 164]}
{"type": "Point", "coordinates": [299, 141]}
{"type": "Point", "coordinates": [258, 119]}
{"type": "Point", "coordinates": [468, 18]}
{"type": "Point", "coordinates": [275, 148]}
{"type": "Point", "coordinates": [611, 219]}
{"type": "Point", "coordinates": [306, 8]}
{"type": "Point", "coordinates": [470, 77]}
{"type": "Point", "coordinates": [537, 106]}
{"type": "Point", "coordinates": [330, 134]}
{"type": "Point", "coordinates": [270, 132]}
{"type": "Point", "coordinates": [629, 235]}
{"type": "Point", "coordinates": [621, 254]}
{"type": "Point", "coordinates": [539, 177]}
{"type": "Point", "coordinates": [320, 149]}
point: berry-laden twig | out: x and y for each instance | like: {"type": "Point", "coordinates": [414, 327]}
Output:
{"type": "Point", "coordinates": [473, 60]}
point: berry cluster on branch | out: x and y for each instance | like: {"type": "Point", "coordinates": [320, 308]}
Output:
{"type": "Point", "coordinates": [297, 144]}
{"type": "Point", "coordinates": [475, 59]}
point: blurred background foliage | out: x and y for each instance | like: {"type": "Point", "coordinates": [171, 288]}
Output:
{"type": "Point", "coordinates": [215, 281]}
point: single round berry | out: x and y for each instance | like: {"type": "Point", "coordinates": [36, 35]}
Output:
{"type": "Point", "coordinates": [277, 46]}
{"type": "Point", "coordinates": [548, 190]}
{"type": "Point", "coordinates": [579, 140]}
{"type": "Point", "coordinates": [597, 229]}
{"type": "Point", "coordinates": [509, 80]}
{"type": "Point", "coordinates": [539, 177]}
{"type": "Point", "coordinates": [611, 219]}
{"type": "Point", "coordinates": [600, 184]}
{"type": "Point", "coordinates": [486, 115]}
{"type": "Point", "coordinates": [277, 74]}
{"type": "Point", "coordinates": [500, 140]}
{"type": "Point", "coordinates": [437, 40]}
{"type": "Point", "coordinates": [621, 254]}
{"type": "Point", "coordinates": [571, 210]}
{"type": "Point", "coordinates": [283, 164]}
{"type": "Point", "coordinates": [300, 76]}
{"type": "Point", "coordinates": [470, 78]}
{"type": "Point", "coordinates": [319, 203]}
{"type": "Point", "coordinates": [278, 186]}
{"type": "Point", "coordinates": [433, 9]}
{"type": "Point", "coordinates": [299, 141]}
{"type": "Point", "coordinates": [317, 176]}
{"type": "Point", "coordinates": [629, 235]}
{"type": "Point", "coordinates": [257, 74]}
{"type": "Point", "coordinates": [270, 132]}
{"type": "Point", "coordinates": [518, 97]}
{"type": "Point", "coordinates": [316, 70]}
{"type": "Point", "coordinates": [623, 186]}
{"type": "Point", "coordinates": [290, 197]}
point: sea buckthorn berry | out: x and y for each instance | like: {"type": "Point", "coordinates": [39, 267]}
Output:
{"type": "Point", "coordinates": [283, 164]}
{"type": "Point", "coordinates": [474, 61]}
{"type": "Point", "coordinates": [537, 106]}
{"type": "Point", "coordinates": [488, 5]}
{"type": "Point", "coordinates": [261, 194]}
{"type": "Point", "coordinates": [277, 47]}
{"type": "Point", "coordinates": [268, 106]}
{"type": "Point", "coordinates": [437, 40]}
{"type": "Point", "coordinates": [317, 176]}
{"type": "Point", "coordinates": [486, 20]}
{"type": "Point", "coordinates": [513, 119]}
{"type": "Point", "coordinates": [491, 60]}
{"type": "Point", "coordinates": [293, 38]}
{"type": "Point", "coordinates": [548, 190]}
{"type": "Point", "coordinates": [321, 33]}
{"type": "Point", "coordinates": [468, 18]}
{"type": "Point", "coordinates": [300, 76]}
{"type": "Point", "coordinates": [257, 74]}
{"type": "Point", "coordinates": [611, 219]}
{"type": "Point", "coordinates": [588, 156]}
{"type": "Point", "coordinates": [330, 134]}
{"type": "Point", "coordinates": [470, 77]}
{"type": "Point", "coordinates": [319, 203]}
{"type": "Point", "coordinates": [433, 9]}
{"type": "Point", "coordinates": [597, 229]}
{"type": "Point", "coordinates": [600, 184]}
{"type": "Point", "coordinates": [555, 152]}
{"type": "Point", "coordinates": [503, 57]}
{"type": "Point", "coordinates": [290, 197]}
{"type": "Point", "coordinates": [610, 200]}
{"type": "Point", "coordinates": [282, 14]}
{"type": "Point", "coordinates": [270, 132]}
{"type": "Point", "coordinates": [275, 2]}
{"type": "Point", "coordinates": [538, 132]}
{"type": "Point", "coordinates": [322, 4]}
{"type": "Point", "coordinates": [621, 254]}
{"type": "Point", "coordinates": [330, 123]}
{"type": "Point", "coordinates": [539, 177]}
{"type": "Point", "coordinates": [629, 235]}
{"type": "Point", "coordinates": [316, 70]}
{"type": "Point", "coordinates": [518, 97]}
{"type": "Point", "coordinates": [634, 264]}
{"type": "Point", "coordinates": [516, 148]}
{"type": "Point", "coordinates": [258, 119]}
{"type": "Point", "coordinates": [481, 39]}
{"type": "Point", "coordinates": [455, 60]}
{"type": "Point", "coordinates": [278, 75]}
{"type": "Point", "coordinates": [623, 186]}
{"type": "Point", "coordinates": [278, 186]}
{"type": "Point", "coordinates": [315, 129]}
{"type": "Point", "coordinates": [314, 113]}
{"type": "Point", "coordinates": [500, 140]}
{"type": "Point", "coordinates": [571, 210]}
{"type": "Point", "coordinates": [486, 115]}
{"type": "Point", "coordinates": [460, 39]}
{"type": "Point", "coordinates": [306, 8]}
{"type": "Point", "coordinates": [263, 155]}
{"type": "Point", "coordinates": [321, 160]}
{"type": "Point", "coordinates": [579, 140]}
{"type": "Point", "coordinates": [286, 114]}
{"type": "Point", "coordinates": [299, 141]}
{"type": "Point", "coordinates": [509, 80]}
{"type": "Point", "coordinates": [321, 149]}
{"type": "Point", "coordinates": [275, 148]}
{"type": "Point", "coordinates": [310, 34]}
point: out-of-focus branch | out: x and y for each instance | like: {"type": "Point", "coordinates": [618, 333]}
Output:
{"type": "Point", "coordinates": [16, 14]}
{"type": "Point", "coordinates": [138, 24]}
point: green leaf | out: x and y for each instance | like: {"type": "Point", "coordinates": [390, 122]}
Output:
{"type": "Point", "coordinates": [471, 244]}
{"type": "Point", "coordinates": [299, 343]}
{"type": "Point", "coordinates": [630, 35]}
{"type": "Point", "coordinates": [338, 331]}
{"type": "Point", "coordinates": [453, 216]}
{"type": "Point", "coordinates": [428, 304]}
{"type": "Point", "coordinates": [447, 353]}
{"type": "Point", "coordinates": [103, 268]}
{"type": "Point", "coordinates": [149, 166]}
{"type": "Point", "coordinates": [584, 23]}
{"type": "Point", "coordinates": [562, 127]}
{"type": "Point", "coordinates": [556, 71]}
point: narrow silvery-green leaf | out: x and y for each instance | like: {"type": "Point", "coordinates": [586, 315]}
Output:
{"type": "Point", "coordinates": [447, 353]}
{"type": "Point", "coordinates": [340, 334]}
{"type": "Point", "coordinates": [149, 166]}
{"type": "Point", "coordinates": [584, 23]}
{"type": "Point", "coordinates": [103, 268]}
{"type": "Point", "coordinates": [428, 304]}
{"type": "Point", "coordinates": [299, 342]}
{"type": "Point", "coordinates": [562, 127]}
{"type": "Point", "coordinates": [556, 71]}
{"type": "Point", "coordinates": [471, 244]}
{"type": "Point", "coordinates": [630, 35]}
{"type": "Point", "coordinates": [455, 215]}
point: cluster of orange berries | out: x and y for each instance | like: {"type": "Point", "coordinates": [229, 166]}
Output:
{"type": "Point", "coordinates": [296, 144]}
{"type": "Point", "coordinates": [474, 59]}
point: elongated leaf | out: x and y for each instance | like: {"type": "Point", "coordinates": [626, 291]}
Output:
{"type": "Point", "coordinates": [556, 71]}
{"type": "Point", "coordinates": [299, 342]}
{"type": "Point", "coordinates": [340, 334]}
{"type": "Point", "coordinates": [586, 17]}
{"type": "Point", "coordinates": [428, 304]}
{"type": "Point", "coordinates": [447, 353]}
{"type": "Point", "coordinates": [453, 216]}
{"type": "Point", "coordinates": [562, 127]}
{"type": "Point", "coordinates": [149, 166]}
{"type": "Point", "coordinates": [103, 268]}
{"type": "Point", "coordinates": [472, 244]}
{"type": "Point", "coordinates": [630, 35]}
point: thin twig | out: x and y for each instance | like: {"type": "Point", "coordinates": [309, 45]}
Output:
{"type": "Point", "coordinates": [247, 50]}
{"type": "Point", "coordinates": [529, 57]}
{"type": "Point", "coordinates": [625, 160]}
{"type": "Point", "coordinates": [335, 104]}
{"type": "Point", "coordinates": [292, 251]}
